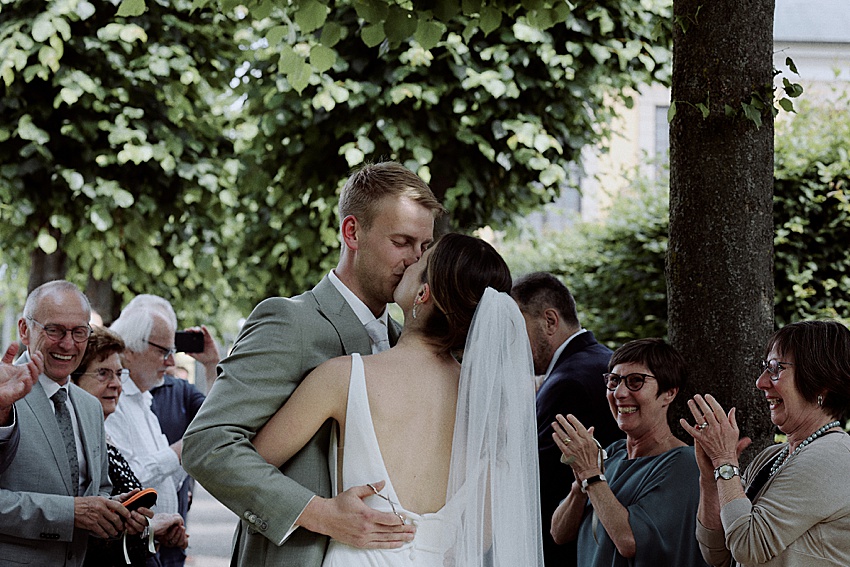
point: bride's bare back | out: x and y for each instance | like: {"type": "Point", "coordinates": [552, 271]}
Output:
{"type": "Point", "coordinates": [413, 398]}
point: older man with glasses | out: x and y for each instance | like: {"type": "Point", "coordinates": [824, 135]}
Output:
{"type": "Point", "coordinates": [55, 490]}
{"type": "Point", "coordinates": [133, 428]}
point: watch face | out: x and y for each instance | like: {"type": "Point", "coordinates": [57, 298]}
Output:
{"type": "Point", "coordinates": [726, 472]}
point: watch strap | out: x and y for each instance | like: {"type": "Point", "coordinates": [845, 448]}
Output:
{"type": "Point", "coordinates": [592, 480]}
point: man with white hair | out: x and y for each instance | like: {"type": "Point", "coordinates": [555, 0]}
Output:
{"type": "Point", "coordinates": [148, 333]}
{"type": "Point", "coordinates": [176, 402]}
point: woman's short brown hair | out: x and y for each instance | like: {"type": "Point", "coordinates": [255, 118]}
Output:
{"type": "Point", "coordinates": [821, 353]}
{"type": "Point", "coordinates": [102, 343]}
{"type": "Point", "coordinates": [664, 362]}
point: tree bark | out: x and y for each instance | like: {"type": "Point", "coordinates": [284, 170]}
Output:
{"type": "Point", "coordinates": [46, 267]}
{"type": "Point", "coordinates": [720, 253]}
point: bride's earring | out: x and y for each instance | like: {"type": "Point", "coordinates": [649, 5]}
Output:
{"type": "Point", "coordinates": [415, 304]}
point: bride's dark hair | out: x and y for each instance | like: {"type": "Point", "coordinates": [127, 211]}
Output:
{"type": "Point", "coordinates": [458, 271]}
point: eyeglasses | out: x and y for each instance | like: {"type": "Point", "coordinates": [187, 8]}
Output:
{"type": "Point", "coordinates": [104, 375]}
{"type": "Point", "coordinates": [633, 381]}
{"type": "Point", "coordinates": [166, 352]}
{"type": "Point", "coordinates": [57, 332]}
{"type": "Point", "coordinates": [773, 367]}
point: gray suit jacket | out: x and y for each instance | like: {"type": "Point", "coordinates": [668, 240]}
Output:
{"type": "Point", "coordinates": [36, 496]}
{"type": "Point", "coordinates": [9, 447]}
{"type": "Point", "coordinates": [282, 341]}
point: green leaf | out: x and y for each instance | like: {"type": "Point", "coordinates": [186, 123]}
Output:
{"type": "Point", "coordinates": [471, 7]}
{"type": "Point", "coordinates": [400, 25]}
{"type": "Point", "coordinates": [429, 33]}
{"type": "Point", "coordinates": [311, 15]}
{"type": "Point", "coordinates": [671, 112]}
{"type": "Point", "coordinates": [42, 28]}
{"type": "Point", "coordinates": [322, 58]}
{"type": "Point", "coordinates": [786, 105]}
{"type": "Point", "coordinates": [423, 155]}
{"type": "Point", "coordinates": [262, 10]}
{"type": "Point", "coordinates": [27, 130]}
{"type": "Point", "coordinates": [373, 35]}
{"type": "Point", "coordinates": [299, 77]}
{"type": "Point", "coordinates": [790, 63]}
{"type": "Point", "coordinates": [354, 156]}
{"type": "Point", "coordinates": [752, 113]}
{"type": "Point", "coordinates": [490, 20]}
{"type": "Point", "coordinates": [331, 34]}
{"type": "Point", "coordinates": [130, 8]}
{"type": "Point", "coordinates": [372, 11]}
{"type": "Point", "coordinates": [46, 242]}
{"type": "Point", "coordinates": [132, 32]}
{"type": "Point", "coordinates": [276, 34]}
{"type": "Point", "coordinates": [703, 109]}
{"type": "Point", "coordinates": [85, 9]}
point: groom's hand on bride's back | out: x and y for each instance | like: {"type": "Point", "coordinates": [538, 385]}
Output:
{"type": "Point", "coordinates": [347, 519]}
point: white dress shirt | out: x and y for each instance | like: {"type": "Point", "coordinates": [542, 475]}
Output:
{"type": "Point", "coordinates": [134, 430]}
{"type": "Point", "coordinates": [558, 351]}
{"type": "Point", "coordinates": [363, 313]}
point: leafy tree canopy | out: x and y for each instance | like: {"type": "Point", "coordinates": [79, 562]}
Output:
{"type": "Point", "coordinates": [111, 148]}
{"type": "Point", "coordinates": [491, 103]}
{"type": "Point", "coordinates": [118, 155]}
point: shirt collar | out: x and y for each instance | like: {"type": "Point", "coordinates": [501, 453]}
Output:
{"type": "Point", "coordinates": [50, 386]}
{"type": "Point", "coordinates": [364, 314]}
{"type": "Point", "coordinates": [560, 350]}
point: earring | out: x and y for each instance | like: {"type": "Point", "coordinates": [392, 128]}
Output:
{"type": "Point", "coordinates": [414, 309]}
{"type": "Point", "coordinates": [820, 401]}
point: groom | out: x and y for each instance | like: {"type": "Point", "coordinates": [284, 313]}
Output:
{"type": "Point", "coordinates": [386, 221]}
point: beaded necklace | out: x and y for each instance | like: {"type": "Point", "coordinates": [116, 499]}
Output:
{"type": "Point", "coordinates": [783, 456]}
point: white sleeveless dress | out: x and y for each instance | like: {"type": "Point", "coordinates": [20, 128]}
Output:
{"type": "Point", "coordinates": [363, 463]}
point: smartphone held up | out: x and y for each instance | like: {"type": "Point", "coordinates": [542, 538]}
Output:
{"type": "Point", "coordinates": [189, 341]}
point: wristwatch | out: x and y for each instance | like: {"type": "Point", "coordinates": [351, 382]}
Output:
{"type": "Point", "coordinates": [726, 471]}
{"type": "Point", "coordinates": [592, 480]}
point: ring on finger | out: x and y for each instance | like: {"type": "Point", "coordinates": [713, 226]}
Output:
{"type": "Point", "coordinates": [566, 440]}
{"type": "Point", "coordinates": [703, 425]}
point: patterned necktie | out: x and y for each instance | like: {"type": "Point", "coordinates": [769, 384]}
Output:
{"type": "Point", "coordinates": [378, 333]}
{"type": "Point", "coordinates": [63, 418]}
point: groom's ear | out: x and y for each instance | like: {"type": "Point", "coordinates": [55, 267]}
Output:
{"type": "Point", "coordinates": [351, 229]}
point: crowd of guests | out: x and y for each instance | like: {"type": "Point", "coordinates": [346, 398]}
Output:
{"type": "Point", "coordinates": [90, 416]}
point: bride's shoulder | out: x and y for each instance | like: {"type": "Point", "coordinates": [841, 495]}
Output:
{"type": "Point", "coordinates": [334, 370]}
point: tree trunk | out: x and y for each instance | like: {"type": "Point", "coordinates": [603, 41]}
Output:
{"type": "Point", "coordinates": [103, 300]}
{"type": "Point", "coordinates": [46, 267]}
{"type": "Point", "coordinates": [720, 254]}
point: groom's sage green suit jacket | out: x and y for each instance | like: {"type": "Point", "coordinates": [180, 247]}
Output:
{"type": "Point", "coordinates": [281, 342]}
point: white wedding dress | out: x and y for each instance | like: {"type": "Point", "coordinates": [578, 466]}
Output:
{"type": "Point", "coordinates": [364, 463]}
{"type": "Point", "coordinates": [492, 512]}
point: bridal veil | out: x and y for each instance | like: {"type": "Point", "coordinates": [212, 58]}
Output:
{"type": "Point", "coordinates": [493, 477]}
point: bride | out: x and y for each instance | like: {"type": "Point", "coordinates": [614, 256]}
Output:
{"type": "Point", "coordinates": [448, 447]}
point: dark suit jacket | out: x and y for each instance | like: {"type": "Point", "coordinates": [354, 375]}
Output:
{"type": "Point", "coordinates": [282, 341]}
{"type": "Point", "coordinates": [36, 496]}
{"type": "Point", "coordinates": [574, 386]}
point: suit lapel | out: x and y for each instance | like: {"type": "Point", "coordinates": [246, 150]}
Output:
{"type": "Point", "coordinates": [332, 305]}
{"type": "Point", "coordinates": [42, 409]}
{"type": "Point", "coordinates": [578, 344]}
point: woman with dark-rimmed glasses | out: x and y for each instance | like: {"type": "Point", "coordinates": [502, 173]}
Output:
{"type": "Point", "coordinates": [791, 507]}
{"type": "Point", "coordinates": [636, 504]}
